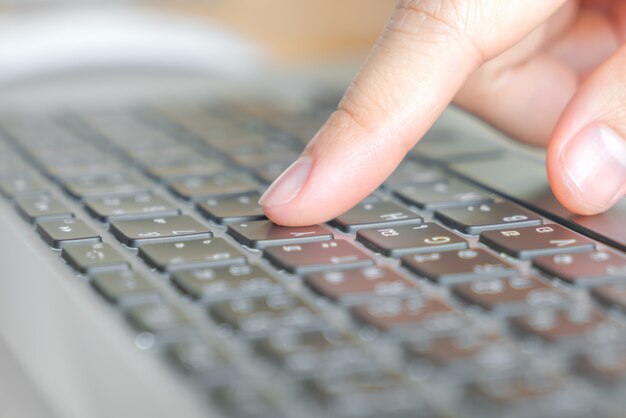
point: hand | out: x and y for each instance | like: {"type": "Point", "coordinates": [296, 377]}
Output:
{"type": "Point", "coordinates": [544, 71]}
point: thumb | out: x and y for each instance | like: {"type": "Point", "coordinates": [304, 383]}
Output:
{"type": "Point", "coordinates": [426, 53]}
{"type": "Point", "coordinates": [587, 153]}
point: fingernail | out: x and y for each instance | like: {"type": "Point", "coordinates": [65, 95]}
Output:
{"type": "Point", "coordinates": [594, 162]}
{"type": "Point", "coordinates": [287, 186]}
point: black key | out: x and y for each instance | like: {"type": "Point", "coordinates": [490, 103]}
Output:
{"type": "Point", "coordinates": [189, 167]}
{"type": "Point", "coordinates": [221, 185]}
{"type": "Point", "coordinates": [170, 256]}
{"type": "Point", "coordinates": [261, 234]}
{"type": "Point", "coordinates": [446, 145]}
{"type": "Point", "coordinates": [408, 317]}
{"type": "Point", "coordinates": [35, 208]}
{"type": "Point", "coordinates": [612, 295]}
{"type": "Point", "coordinates": [143, 205]}
{"type": "Point", "coordinates": [91, 258]}
{"type": "Point", "coordinates": [111, 184]}
{"type": "Point", "coordinates": [255, 156]}
{"type": "Point", "coordinates": [224, 283]}
{"type": "Point", "coordinates": [140, 231]}
{"type": "Point", "coordinates": [159, 323]}
{"type": "Point", "coordinates": [512, 296]}
{"type": "Point", "coordinates": [206, 365]}
{"type": "Point", "coordinates": [395, 242]}
{"type": "Point", "coordinates": [59, 233]}
{"type": "Point", "coordinates": [351, 287]}
{"type": "Point", "coordinates": [375, 214]}
{"type": "Point", "coordinates": [414, 173]}
{"type": "Point", "coordinates": [443, 194]}
{"type": "Point", "coordinates": [125, 288]}
{"type": "Point", "coordinates": [568, 327]}
{"type": "Point", "coordinates": [584, 269]}
{"type": "Point", "coordinates": [15, 186]}
{"type": "Point", "coordinates": [474, 219]}
{"type": "Point", "coordinates": [315, 353]}
{"type": "Point", "coordinates": [257, 317]}
{"type": "Point", "coordinates": [457, 266]}
{"type": "Point", "coordinates": [526, 243]}
{"type": "Point", "coordinates": [232, 209]}
{"type": "Point", "coordinates": [317, 256]}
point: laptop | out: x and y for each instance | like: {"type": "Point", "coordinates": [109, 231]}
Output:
{"type": "Point", "coordinates": [141, 279]}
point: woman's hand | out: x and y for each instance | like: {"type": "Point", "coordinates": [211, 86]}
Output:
{"type": "Point", "coordinates": [544, 71]}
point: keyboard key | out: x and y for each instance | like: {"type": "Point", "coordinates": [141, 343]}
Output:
{"type": "Point", "coordinates": [474, 219]}
{"type": "Point", "coordinates": [398, 241]}
{"type": "Point", "coordinates": [91, 258]}
{"type": "Point", "coordinates": [144, 205]}
{"type": "Point", "coordinates": [261, 234]}
{"type": "Point", "coordinates": [446, 351]}
{"type": "Point", "coordinates": [317, 256]}
{"type": "Point", "coordinates": [170, 256]}
{"type": "Point", "coordinates": [262, 156]}
{"type": "Point", "coordinates": [414, 173]}
{"type": "Point", "coordinates": [613, 295]}
{"type": "Point", "coordinates": [443, 194]}
{"type": "Point", "coordinates": [141, 231]}
{"type": "Point", "coordinates": [408, 317]}
{"type": "Point", "coordinates": [458, 266]}
{"type": "Point", "coordinates": [257, 317]}
{"type": "Point", "coordinates": [35, 208]}
{"type": "Point", "coordinates": [221, 185]}
{"type": "Point", "coordinates": [375, 214]}
{"type": "Point", "coordinates": [15, 186]}
{"type": "Point", "coordinates": [268, 173]}
{"type": "Point", "coordinates": [162, 323]}
{"type": "Point", "coordinates": [584, 269]}
{"type": "Point", "coordinates": [111, 184]}
{"type": "Point", "coordinates": [225, 283]}
{"type": "Point", "coordinates": [208, 366]}
{"type": "Point", "coordinates": [125, 288]}
{"type": "Point", "coordinates": [526, 243]}
{"type": "Point", "coordinates": [59, 233]}
{"type": "Point", "coordinates": [607, 364]}
{"type": "Point", "coordinates": [314, 353]}
{"type": "Point", "coordinates": [512, 296]}
{"type": "Point", "coordinates": [446, 145]}
{"type": "Point", "coordinates": [193, 166]}
{"type": "Point", "coordinates": [227, 210]}
{"type": "Point", "coordinates": [567, 327]}
{"type": "Point", "coordinates": [350, 287]}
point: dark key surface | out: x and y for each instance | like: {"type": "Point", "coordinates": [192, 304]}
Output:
{"type": "Point", "coordinates": [612, 295]}
{"type": "Point", "coordinates": [124, 288]}
{"type": "Point", "coordinates": [261, 234]}
{"type": "Point", "coordinates": [226, 184]}
{"type": "Point", "coordinates": [350, 287]}
{"type": "Point", "coordinates": [111, 184]}
{"type": "Point", "coordinates": [457, 266]}
{"type": "Point", "coordinates": [59, 233]}
{"type": "Point", "coordinates": [584, 269]}
{"type": "Point", "coordinates": [256, 317]}
{"type": "Point", "coordinates": [557, 326]}
{"type": "Point", "coordinates": [443, 194]}
{"type": "Point", "coordinates": [232, 209]}
{"type": "Point", "coordinates": [91, 258]}
{"type": "Point", "coordinates": [375, 214]}
{"type": "Point", "coordinates": [446, 144]}
{"type": "Point", "coordinates": [317, 256]}
{"type": "Point", "coordinates": [512, 296]}
{"type": "Point", "coordinates": [474, 219]}
{"type": "Point", "coordinates": [224, 283]}
{"type": "Point", "coordinates": [526, 243]}
{"type": "Point", "coordinates": [34, 208]}
{"type": "Point", "coordinates": [189, 167]}
{"type": "Point", "coordinates": [445, 351]}
{"type": "Point", "coordinates": [15, 186]}
{"type": "Point", "coordinates": [175, 228]}
{"type": "Point", "coordinates": [314, 353]}
{"type": "Point", "coordinates": [398, 241]}
{"type": "Point", "coordinates": [170, 256]}
{"type": "Point", "coordinates": [163, 323]}
{"type": "Point", "coordinates": [143, 205]}
{"type": "Point", "coordinates": [405, 315]}
{"type": "Point", "coordinates": [414, 173]}
{"type": "Point", "coordinates": [208, 366]}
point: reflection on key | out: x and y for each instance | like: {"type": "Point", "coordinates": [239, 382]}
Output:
{"type": "Point", "coordinates": [477, 218]}
{"type": "Point", "coordinates": [227, 210]}
{"type": "Point", "coordinates": [442, 195]}
{"type": "Point", "coordinates": [59, 233]}
{"type": "Point", "coordinates": [584, 269]}
{"type": "Point", "coordinates": [260, 234]}
{"type": "Point", "coordinates": [175, 228]}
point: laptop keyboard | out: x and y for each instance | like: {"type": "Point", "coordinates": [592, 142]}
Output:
{"type": "Point", "coordinates": [433, 297]}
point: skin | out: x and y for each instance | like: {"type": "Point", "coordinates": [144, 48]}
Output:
{"type": "Point", "coordinates": [548, 72]}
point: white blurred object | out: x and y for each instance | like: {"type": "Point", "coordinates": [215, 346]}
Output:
{"type": "Point", "coordinates": [68, 40]}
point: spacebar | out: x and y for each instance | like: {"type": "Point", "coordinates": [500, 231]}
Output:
{"type": "Point", "coordinates": [523, 180]}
